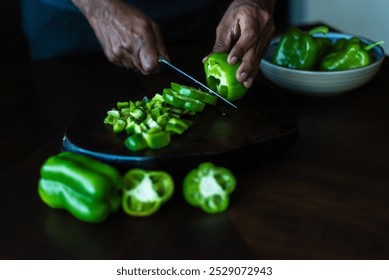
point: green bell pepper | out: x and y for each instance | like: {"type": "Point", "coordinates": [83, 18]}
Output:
{"type": "Point", "coordinates": [341, 43]}
{"type": "Point", "coordinates": [221, 76]}
{"type": "Point", "coordinates": [181, 101]}
{"type": "Point", "coordinates": [145, 191]}
{"type": "Point", "coordinates": [300, 50]}
{"type": "Point", "coordinates": [348, 55]}
{"type": "Point", "coordinates": [87, 188]}
{"type": "Point", "coordinates": [209, 187]}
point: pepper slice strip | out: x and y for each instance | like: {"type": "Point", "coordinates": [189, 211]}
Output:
{"type": "Point", "coordinates": [194, 93]}
{"type": "Point", "coordinates": [181, 101]}
{"type": "Point", "coordinates": [299, 50]}
{"type": "Point", "coordinates": [87, 188]}
{"type": "Point", "coordinates": [209, 187]}
{"type": "Point", "coordinates": [221, 76]}
{"type": "Point", "coordinates": [145, 191]}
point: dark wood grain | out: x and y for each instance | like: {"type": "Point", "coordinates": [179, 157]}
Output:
{"type": "Point", "coordinates": [324, 197]}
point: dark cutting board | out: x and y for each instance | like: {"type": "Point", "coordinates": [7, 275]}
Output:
{"type": "Point", "coordinates": [262, 124]}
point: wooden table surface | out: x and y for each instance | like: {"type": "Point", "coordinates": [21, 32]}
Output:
{"type": "Point", "coordinates": [324, 197]}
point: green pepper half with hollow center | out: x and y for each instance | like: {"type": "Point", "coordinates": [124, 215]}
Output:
{"type": "Point", "coordinates": [145, 191]}
{"type": "Point", "coordinates": [209, 187]}
{"type": "Point", "coordinates": [351, 54]}
{"type": "Point", "coordinates": [87, 188]}
{"type": "Point", "coordinates": [221, 76]}
{"type": "Point", "coordinates": [300, 50]}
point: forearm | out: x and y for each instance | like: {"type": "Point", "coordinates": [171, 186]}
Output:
{"type": "Point", "coordinates": [91, 8]}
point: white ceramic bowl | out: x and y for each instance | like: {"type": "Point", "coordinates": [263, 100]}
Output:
{"type": "Point", "coordinates": [320, 83]}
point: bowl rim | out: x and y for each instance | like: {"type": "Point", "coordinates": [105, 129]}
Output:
{"type": "Point", "coordinates": [378, 50]}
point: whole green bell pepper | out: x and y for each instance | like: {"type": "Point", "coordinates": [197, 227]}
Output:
{"type": "Point", "coordinates": [145, 191]}
{"type": "Point", "coordinates": [221, 76]}
{"type": "Point", "coordinates": [341, 43]}
{"type": "Point", "coordinates": [209, 187]}
{"type": "Point", "coordinates": [301, 50]}
{"type": "Point", "coordinates": [87, 188]}
{"type": "Point", "coordinates": [348, 55]}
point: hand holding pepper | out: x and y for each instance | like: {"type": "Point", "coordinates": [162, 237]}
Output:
{"type": "Point", "coordinates": [244, 32]}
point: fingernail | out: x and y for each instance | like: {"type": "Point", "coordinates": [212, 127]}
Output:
{"type": "Point", "coordinates": [243, 76]}
{"type": "Point", "coordinates": [233, 60]}
{"type": "Point", "coordinates": [248, 83]}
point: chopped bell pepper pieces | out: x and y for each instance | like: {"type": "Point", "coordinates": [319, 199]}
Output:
{"type": "Point", "coordinates": [149, 122]}
{"type": "Point", "coordinates": [136, 142]}
{"type": "Point", "coordinates": [86, 188]}
{"type": "Point", "coordinates": [144, 192]}
{"type": "Point", "coordinates": [209, 187]}
{"type": "Point", "coordinates": [221, 76]}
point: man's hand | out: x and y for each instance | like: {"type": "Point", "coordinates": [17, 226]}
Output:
{"type": "Point", "coordinates": [245, 32]}
{"type": "Point", "coordinates": [128, 37]}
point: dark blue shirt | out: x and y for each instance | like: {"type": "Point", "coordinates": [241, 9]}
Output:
{"type": "Point", "coordinates": [57, 27]}
{"type": "Point", "coordinates": [153, 8]}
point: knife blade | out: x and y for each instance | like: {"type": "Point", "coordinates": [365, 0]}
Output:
{"type": "Point", "coordinates": [189, 77]}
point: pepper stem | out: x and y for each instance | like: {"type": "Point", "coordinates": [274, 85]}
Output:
{"type": "Point", "coordinates": [369, 47]}
{"type": "Point", "coordinates": [319, 29]}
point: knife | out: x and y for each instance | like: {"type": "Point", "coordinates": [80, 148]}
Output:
{"type": "Point", "coordinates": [201, 85]}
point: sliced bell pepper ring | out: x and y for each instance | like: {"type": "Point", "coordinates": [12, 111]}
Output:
{"type": "Point", "coordinates": [209, 187]}
{"type": "Point", "coordinates": [221, 76]}
{"type": "Point", "coordinates": [194, 93]}
{"type": "Point", "coordinates": [181, 101]}
{"type": "Point", "coordinates": [86, 188]}
{"type": "Point", "coordinates": [145, 191]}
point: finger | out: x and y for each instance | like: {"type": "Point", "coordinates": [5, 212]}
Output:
{"type": "Point", "coordinates": [248, 69]}
{"type": "Point", "coordinates": [246, 41]}
{"type": "Point", "coordinates": [148, 54]}
{"type": "Point", "coordinates": [161, 48]}
{"type": "Point", "coordinates": [129, 61]}
{"type": "Point", "coordinates": [224, 39]}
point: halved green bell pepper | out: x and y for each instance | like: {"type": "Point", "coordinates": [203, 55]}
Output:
{"type": "Point", "coordinates": [87, 188]}
{"type": "Point", "coordinates": [209, 187]}
{"type": "Point", "coordinates": [145, 191]}
{"type": "Point", "coordinates": [300, 50]}
{"type": "Point", "coordinates": [221, 76]}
